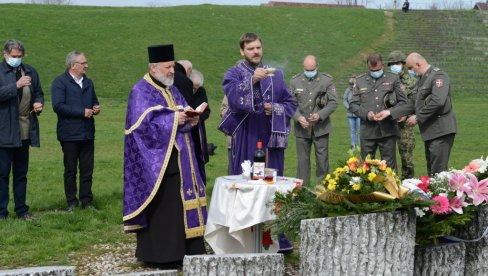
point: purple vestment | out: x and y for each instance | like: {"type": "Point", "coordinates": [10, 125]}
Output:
{"type": "Point", "coordinates": [246, 121]}
{"type": "Point", "coordinates": [151, 133]}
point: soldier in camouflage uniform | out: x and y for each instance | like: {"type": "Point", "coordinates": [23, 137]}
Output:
{"type": "Point", "coordinates": [314, 93]}
{"type": "Point", "coordinates": [406, 143]}
{"type": "Point", "coordinates": [373, 94]}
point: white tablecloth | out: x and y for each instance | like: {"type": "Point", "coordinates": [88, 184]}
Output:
{"type": "Point", "coordinates": [236, 208]}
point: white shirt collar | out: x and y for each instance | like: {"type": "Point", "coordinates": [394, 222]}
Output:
{"type": "Point", "coordinates": [78, 81]}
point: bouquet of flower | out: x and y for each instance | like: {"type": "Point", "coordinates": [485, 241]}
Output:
{"type": "Point", "coordinates": [369, 180]}
{"type": "Point", "coordinates": [455, 195]}
{"type": "Point", "coordinates": [356, 187]}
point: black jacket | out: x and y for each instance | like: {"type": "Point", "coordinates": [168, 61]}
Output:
{"type": "Point", "coordinates": [9, 107]}
{"type": "Point", "coordinates": [69, 102]}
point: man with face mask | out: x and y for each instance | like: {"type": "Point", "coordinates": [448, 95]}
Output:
{"type": "Point", "coordinates": [314, 93]}
{"type": "Point", "coordinates": [21, 101]}
{"type": "Point", "coordinates": [369, 99]}
{"type": "Point", "coordinates": [433, 112]}
{"type": "Point", "coordinates": [406, 142]}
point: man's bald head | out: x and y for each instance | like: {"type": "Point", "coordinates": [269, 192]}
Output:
{"type": "Point", "coordinates": [187, 65]}
{"type": "Point", "coordinates": [417, 63]}
{"type": "Point", "coordinates": [310, 63]}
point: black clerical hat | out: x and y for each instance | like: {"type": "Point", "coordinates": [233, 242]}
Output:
{"type": "Point", "coordinates": [160, 53]}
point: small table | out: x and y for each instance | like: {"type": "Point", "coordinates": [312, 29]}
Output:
{"type": "Point", "coordinates": [237, 211]}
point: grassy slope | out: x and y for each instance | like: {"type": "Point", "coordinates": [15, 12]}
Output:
{"type": "Point", "coordinates": [115, 41]}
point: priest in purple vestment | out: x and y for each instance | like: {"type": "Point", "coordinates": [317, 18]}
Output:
{"type": "Point", "coordinates": [164, 195]}
{"type": "Point", "coordinates": [260, 107]}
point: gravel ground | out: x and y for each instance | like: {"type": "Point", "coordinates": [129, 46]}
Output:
{"type": "Point", "coordinates": [118, 258]}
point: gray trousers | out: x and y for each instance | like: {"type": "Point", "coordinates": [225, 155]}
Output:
{"type": "Point", "coordinates": [437, 153]}
{"type": "Point", "coordinates": [387, 147]}
{"type": "Point", "coordinates": [304, 146]}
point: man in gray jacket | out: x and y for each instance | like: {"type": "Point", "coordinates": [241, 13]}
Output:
{"type": "Point", "coordinates": [315, 95]}
{"type": "Point", "coordinates": [21, 101]}
{"type": "Point", "coordinates": [374, 92]}
{"type": "Point", "coordinates": [433, 112]}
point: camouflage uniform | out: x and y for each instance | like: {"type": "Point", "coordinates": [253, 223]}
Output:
{"type": "Point", "coordinates": [406, 142]}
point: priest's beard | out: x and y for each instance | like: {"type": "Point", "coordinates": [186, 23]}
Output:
{"type": "Point", "coordinates": [163, 79]}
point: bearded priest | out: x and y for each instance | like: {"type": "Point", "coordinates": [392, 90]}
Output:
{"type": "Point", "coordinates": [164, 195]}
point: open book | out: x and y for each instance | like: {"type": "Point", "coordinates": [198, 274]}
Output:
{"type": "Point", "coordinates": [198, 111]}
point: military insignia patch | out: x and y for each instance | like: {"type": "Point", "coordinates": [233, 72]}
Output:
{"type": "Point", "coordinates": [439, 83]}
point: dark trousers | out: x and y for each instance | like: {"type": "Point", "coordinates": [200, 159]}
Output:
{"type": "Point", "coordinates": [437, 153]}
{"type": "Point", "coordinates": [387, 147]}
{"type": "Point", "coordinates": [17, 160]}
{"type": "Point", "coordinates": [78, 153]}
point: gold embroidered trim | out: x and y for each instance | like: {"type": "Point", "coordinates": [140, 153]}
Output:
{"type": "Point", "coordinates": [195, 232]}
{"type": "Point", "coordinates": [195, 185]}
{"type": "Point", "coordinates": [166, 156]}
{"type": "Point", "coordinates": [132, 227]}
{"type": "Point", "coordinates": [144, 114]}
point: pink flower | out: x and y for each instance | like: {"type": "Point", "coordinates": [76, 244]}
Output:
{"type": "Point", "coordinates": [457, 204]}
{"type": "Point", "coordinates": [458, 183]}
{"type": "Point", "coordinates": [472, 167]}
{"type": "Point", "coordinates": [441, 206]}
{"type": "Point", "coordinates": [478, 191]}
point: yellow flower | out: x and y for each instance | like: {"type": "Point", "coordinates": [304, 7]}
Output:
{"type": "Point", "coordinates": [371, 176]}
{"type": "Point", "coordinates": [360, 170]}
{"type": "Point", "coordinates": [356, 187]}
{"type": "Point", "coordinates": [389, 171]}
{"type": "Point", "coordinates": [331, 186]}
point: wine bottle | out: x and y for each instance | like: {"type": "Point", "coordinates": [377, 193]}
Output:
{"type": "Point", "coordinates": [259, 162]}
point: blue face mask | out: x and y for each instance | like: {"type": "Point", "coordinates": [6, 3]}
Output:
{"type": "Point", "coordinates": [310, 74]}
{"type": "Point", "coordinates": [412, 73]}
{"type": "Point", "coordinates": [396, 68]}
{"type": "Point", "coordinates": [376, 74]}
{"type": "Point", "coordinates": [14, 62]}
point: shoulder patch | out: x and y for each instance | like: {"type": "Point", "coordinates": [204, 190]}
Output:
{"type": "Point", "coordinates": [436, 69]}
{"type": "Point", "coordinates": [360, 76]}
{"type": "Point", "coordinates": [439, 82]}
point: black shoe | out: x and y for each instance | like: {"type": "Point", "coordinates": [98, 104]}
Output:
{"type": "Point", "coordinates": [28, 217]}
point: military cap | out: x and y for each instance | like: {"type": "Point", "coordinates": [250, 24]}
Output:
{"type": "Point", "coordinates": [396, 56]}
{"type": "Point", "coordinates": [390, 100]}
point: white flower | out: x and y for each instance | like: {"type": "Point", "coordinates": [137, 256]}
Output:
{"type": "Point", "coordinates": [419, 212]}
{"type": "Point", "coordinates": [483, 164]}
{"type": "Point", "coordinates": [355, 180]}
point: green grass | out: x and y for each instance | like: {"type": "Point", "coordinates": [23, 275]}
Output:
{"type": "Point", "coordinates": [115, 40]}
